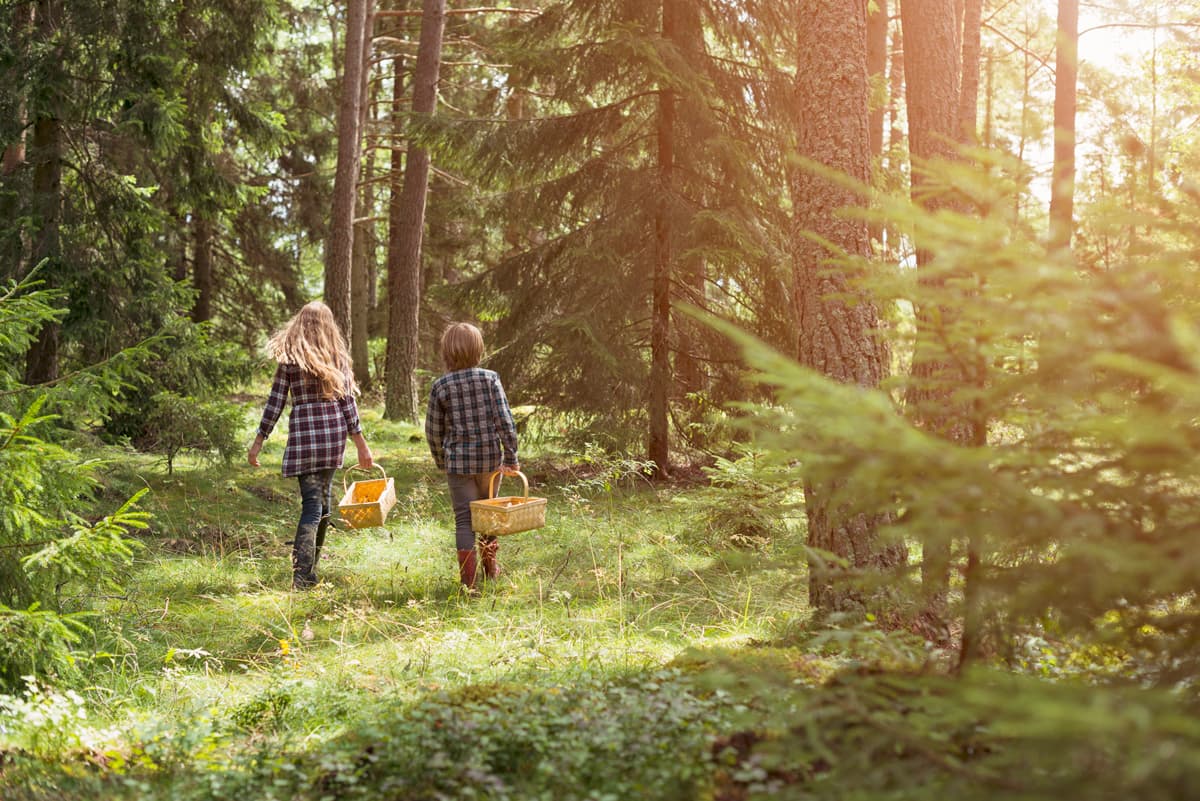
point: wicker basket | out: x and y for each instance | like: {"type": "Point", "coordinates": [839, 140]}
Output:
{"type": "Point", "coordinates": [367, 503]}
{"type": "Point", "coordinates": [508, 514]}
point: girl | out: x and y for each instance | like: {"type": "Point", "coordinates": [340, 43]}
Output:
{"type": "Point", "coordinates": [314, 369]}
{"type": "Point", "coordinates": [471, 434]}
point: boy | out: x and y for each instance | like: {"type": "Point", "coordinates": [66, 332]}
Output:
{"type": "Point", "coordinates": [471, 435]}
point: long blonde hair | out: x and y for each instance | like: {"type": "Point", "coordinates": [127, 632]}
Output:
{"type": "Point", "coordinates": [313, 342]}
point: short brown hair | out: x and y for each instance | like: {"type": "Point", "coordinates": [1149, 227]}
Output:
{"type": "Point", "coordinates": [462, 346]}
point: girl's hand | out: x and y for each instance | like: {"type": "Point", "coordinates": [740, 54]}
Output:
{"type": "Point", "coordinates": [365, 460]}
{"type": "Point", "coordinates": [510, 469]}
{"type": "Point", "coordinates": [252, 454]}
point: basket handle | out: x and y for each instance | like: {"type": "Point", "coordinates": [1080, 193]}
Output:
{"type": "Point", "coordinates": [494, 483]}
{"type": "Point", "coordinates": [346, 473]}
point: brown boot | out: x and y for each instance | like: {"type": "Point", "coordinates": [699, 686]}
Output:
{"type": "Point", "coordinates": [466, 570]}
{"type": "Point", "coordinates": [489, 548]}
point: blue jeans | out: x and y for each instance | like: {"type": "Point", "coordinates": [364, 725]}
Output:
{"type": "Point", "coordinates": [316, 502]}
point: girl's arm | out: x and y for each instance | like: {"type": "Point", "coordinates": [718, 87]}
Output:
{"type": "Point", "coordinates": [270, 416]}
{"type": "Point", "coordinates": [365, 459]}
{"type": "Point", "coordinates": [349, 408]}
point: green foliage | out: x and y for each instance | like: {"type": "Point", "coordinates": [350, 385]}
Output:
{"type": "Point", "coordinates": [42, 486]}
{"type": "Point", "coordinates": [747, 504]}
{"type": "Point", "coordinates": [42, 722]}
{"type": "Point", "coordinates": [595, 739]}
{"type": "Point", "coordinates": [180, 403]}
{"type": "Point", "coordinates": [93, 551]}
{"type": "Point", "coordinates": [891, 735]}
{"type": "Point", "coordinates": [175, 423]}
{"type": "Point", "coordinates": [567, 152]}
{"type": "Point", "coordinates": [558, 742]}
{"type": "Point", "coordinates": [39, 643]}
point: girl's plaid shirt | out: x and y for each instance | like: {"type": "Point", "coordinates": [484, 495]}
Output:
{"type": "Point", "coordinates": [317, 428]}
{"type": "Point", "coordinates": [468, 424]}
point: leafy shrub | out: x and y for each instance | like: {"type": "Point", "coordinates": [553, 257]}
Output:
{"type": "Point", "coordinates": [879, 735]}
{"type": "Point", "coordinates": [37, 642]}
{"type": "Point", "coordinates": [175, 423]}
{"type": "Point", "coordinates": [46, 547]}
{"type": "Point", "coordinates": [180, 401]}
{"type": "Point", "coordinates": [644, 738]}
{"type": "Point", "coordinates": [748, 504]}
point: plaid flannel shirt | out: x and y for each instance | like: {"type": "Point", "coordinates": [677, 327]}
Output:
{"type": "Point", "coordinates": [317, 428]}
{"type": "Point", "coordinates": [468, 424]}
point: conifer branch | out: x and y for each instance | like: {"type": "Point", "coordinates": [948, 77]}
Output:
{"type": "Point", "coordinates": [529, 12]}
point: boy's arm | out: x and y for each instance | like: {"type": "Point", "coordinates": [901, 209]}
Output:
{"type": "Point", "coordinates": [435, 429]}
{"type": "Point", "coordinates": [505, 427]}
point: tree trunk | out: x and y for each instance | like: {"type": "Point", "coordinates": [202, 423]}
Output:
{"type": "Point", "coordinates": [404, 240]}
{"type": "Point", "coordinates": [660, 304]}
{"type": "Point", "coordinates": [1066, 71]}
{"type": "Point", "coordinates": [692, 269]}
{"type": "Point", "coordinates": [932, 80]}
{"type": "Point", "coordinates": [202, 266]}
{"type": "Point", "coordinates": [363, 243]}
{"type": "Point", "coordinates": [835, 336]}
{"type": "Point", "coordinates": [968, 98]}
{"type": "Point", "coordinates": [877, 51]}
{"type": "Point", "coordinates": [41, 360]}
{"type": "Point", "coordinates": [14, 153]}
{"type": "Point", "coordinates": [877, 47]}
{"type": "Point", "coordinates": [345, 181]}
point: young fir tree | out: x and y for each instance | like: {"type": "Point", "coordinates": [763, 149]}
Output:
{"type": "Point", "coordinates": [635, 177]}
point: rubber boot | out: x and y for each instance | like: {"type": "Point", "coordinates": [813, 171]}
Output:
{"type": "Point", "coordinates": [466, 571]}
{"type": "Point", "coordinates": [489, 549]}
{"type": "Point", "coordinates": [304, 575]}
{"type": "Point", "coordinates": [320, 540]}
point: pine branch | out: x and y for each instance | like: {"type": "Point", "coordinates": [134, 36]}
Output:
{"type": "Point", "coordinates": [529, 12]}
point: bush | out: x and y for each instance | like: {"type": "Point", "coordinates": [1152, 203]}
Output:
{"type": "Point", "coordinates": [748, 504]}
{"type": "Point", "coordinates": [644, 738]}
{"type": "Point", "coordinates": [180, 401]}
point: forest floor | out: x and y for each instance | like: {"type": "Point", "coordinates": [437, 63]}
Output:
{"type": "Point", "coordinates": [207, 656]}
{"type": "Point", "coordinates": [616, 581]}
{"type": "Point", "coordinates": [627, 652]}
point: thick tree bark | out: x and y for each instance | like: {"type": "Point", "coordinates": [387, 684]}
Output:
{"type": "Point", "coordinates": [202, 266]}
{"type": "Point", "coordinates": [932, 74]}
{"type": "Point", "coordinates": [877, 47]}
{"type": "Point", "coordinates": [689, 284]}
{"type": "Point", "coordinates": [836, 337]}
{"type": "Point", "coordinates": [14, 153]}
{"type": "Point", "coordinates": [345, 181]}
{"type": "Point", "coordinates": [363, 243]}
{"type": "Point", "coordinates": [968, 97]}
{"type": "Point", "coordinates": [404, 242]}
{"type": "Point", "coordinates": [1066, 71]}
{"type": "Point", "coordinates": [41, 361]}
{"type": "Point", "coordinates": [660, 305]}
{"type": "Point", "coordinates": [896, 88]}
{"type": "Point", "coordinates": [877, 51]}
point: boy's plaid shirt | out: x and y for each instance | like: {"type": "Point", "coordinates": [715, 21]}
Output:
{"type": "Point", "coordinates": [317, 428]}
{"type": "Point", "coordinates": [468, 424]}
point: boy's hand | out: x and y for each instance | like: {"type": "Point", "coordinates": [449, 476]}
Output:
{"type": "Point", "coordinates": [510, 469]}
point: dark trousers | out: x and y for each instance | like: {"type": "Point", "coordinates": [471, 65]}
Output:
{"type": "Point", "coordinates": [316, 502]}
{"type": "Point", "coordinates": [463, 490]}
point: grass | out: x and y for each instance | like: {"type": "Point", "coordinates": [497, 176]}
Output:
{"type": "Point", "coordinates": [615, 583]}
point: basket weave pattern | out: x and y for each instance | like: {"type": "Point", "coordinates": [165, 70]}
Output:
{"type": "Point", "coordinates": [509, 514]}
{"type": "Point", "coordinates": [367, 503]}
